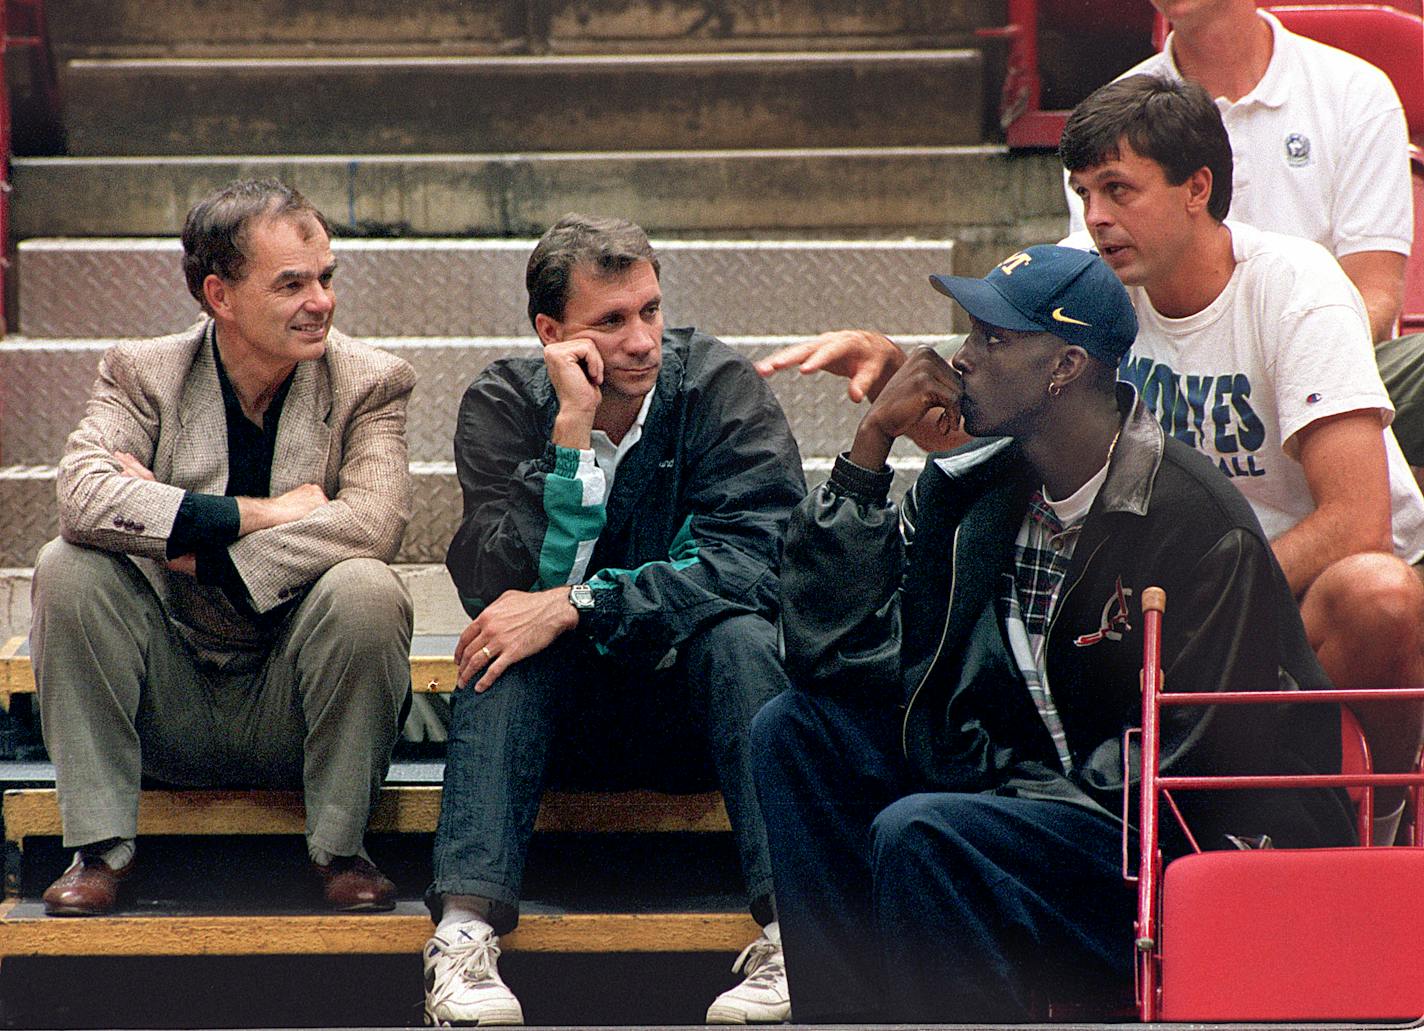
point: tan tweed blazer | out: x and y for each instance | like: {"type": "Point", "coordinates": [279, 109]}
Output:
{"type": "Point", "coordinates": [342, 428]}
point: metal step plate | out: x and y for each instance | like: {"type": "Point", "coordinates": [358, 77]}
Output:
{"type": "Point", "coordinates": [71, 288]}
{"type": "Point", "coordinates": [44, 386]}
{"type": "Point", "coordinates": [28, 517]}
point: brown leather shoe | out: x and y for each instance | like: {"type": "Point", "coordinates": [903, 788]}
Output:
{"type": "Point", "coordinates": [352, 882]}
{"type": "Point", "coordinates": [88, 888]}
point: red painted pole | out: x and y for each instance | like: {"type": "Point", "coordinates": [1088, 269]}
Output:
{"type": "Point", "coordinates": [1154, 603]}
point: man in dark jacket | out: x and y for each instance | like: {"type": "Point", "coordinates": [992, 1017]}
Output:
{"type": "Point", "coordinates": [943, 793]}
{"type": "Point", "coordinates": [625, 500]}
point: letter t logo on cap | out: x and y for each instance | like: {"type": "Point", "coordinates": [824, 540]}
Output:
{"type": "Point", "coordinates": [1013, 261]}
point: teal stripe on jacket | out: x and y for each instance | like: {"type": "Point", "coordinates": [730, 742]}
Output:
{"type": "Point", "coordinates": [571, 523]}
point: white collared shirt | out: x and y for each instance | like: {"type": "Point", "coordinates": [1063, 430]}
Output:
{"type": "Point", "coordinates": [1319, 148]}
{"type": "Point", "coordinates": [597, 466]}
{"type": "Point", "coordinates": [608, 455]}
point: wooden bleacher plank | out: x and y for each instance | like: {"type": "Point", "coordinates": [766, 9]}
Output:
{"type": "Point", "coordinates": [404, 809]}
{"type": "Point", "coordinates": [17, 676]}
{"type": "Point", "coordinates": [432, 674]}
{"type": "Point", "coordinates": [631, 812]}
{"type": "Point", "coordinates": [432, 671]}
{"type": "Point", "coordinates": [432, 663]}
{"type": "Point", "coordinates": [26, 931]}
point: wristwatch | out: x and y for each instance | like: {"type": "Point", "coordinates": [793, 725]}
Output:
{"type": "Point", "coordinates": [581, 598]}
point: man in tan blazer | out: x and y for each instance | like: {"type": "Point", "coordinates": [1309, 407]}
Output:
{"type": "Point", "coordinates": [219, 610]}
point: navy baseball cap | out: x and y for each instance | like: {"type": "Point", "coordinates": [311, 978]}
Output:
{"type": "Point", "coordinates": [1047, 289]}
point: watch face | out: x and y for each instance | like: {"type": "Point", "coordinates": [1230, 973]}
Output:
{"type": "Point", "coordinates": [581, 596]}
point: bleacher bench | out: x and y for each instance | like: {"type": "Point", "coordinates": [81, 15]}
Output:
{"type": "Point", "coordinates": [150, 929]}
{"type": "Point", "coordinates": [432, 666]}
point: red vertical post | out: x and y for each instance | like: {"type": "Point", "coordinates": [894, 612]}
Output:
{"type": "Point", "coordinates": [1154, 603]}
{"type": "Point", "coordinates": [1024, 14]}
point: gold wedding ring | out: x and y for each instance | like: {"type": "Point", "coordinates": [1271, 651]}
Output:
{"type": "Point", "coordinates": [489, 656]}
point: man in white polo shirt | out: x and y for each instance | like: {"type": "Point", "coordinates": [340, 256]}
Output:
{"type": "Point", "coordinates": [1318, 139]}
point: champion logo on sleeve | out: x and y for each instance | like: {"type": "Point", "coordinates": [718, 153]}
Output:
{"type": "Point", "coordinates": [1314, 398]}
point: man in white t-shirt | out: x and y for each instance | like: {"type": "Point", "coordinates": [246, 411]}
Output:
{"type": "Point", "coordinates": [1254, 348]}
{"type": "Point", "coordinates": [1318, 138]}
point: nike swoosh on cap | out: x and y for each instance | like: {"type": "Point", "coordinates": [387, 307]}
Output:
{"type": "Point", "coordinates": [1058, 316]}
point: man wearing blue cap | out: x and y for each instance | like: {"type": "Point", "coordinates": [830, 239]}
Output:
{"type": "Point", "coordinates": [943, 790]}
{"type": "Point", "coordinates": [1254, 348]}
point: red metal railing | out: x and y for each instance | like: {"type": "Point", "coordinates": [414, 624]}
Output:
{"type": "Point", "coordinates": [1154, 698]}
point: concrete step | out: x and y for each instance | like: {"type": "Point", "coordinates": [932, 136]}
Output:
{"type": "Point", "coordinates": [976, 195]}
{"type": "Point", "coordinates": [28, 518]}
{"type": "Point", "coordinates": [429, 105]}
{"type": "Point", "coordinates": [79, 287]}
{"type": "Point", "coordinates": [156, 28]}
{"type": "Point", "coordinates": [15, 601]}
{"type": "Point", "coordinates": [61, 372]}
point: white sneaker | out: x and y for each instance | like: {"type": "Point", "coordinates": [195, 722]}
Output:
{"type": "Point", "coordinates": [762, 997]}
{"type": "Point", "coordinates": [462, 982]}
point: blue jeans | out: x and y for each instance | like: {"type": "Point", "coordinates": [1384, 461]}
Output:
{"type": "Point", "coordinates": [904, 906]}
{"type": "Point", "coordinates": [577, 719]}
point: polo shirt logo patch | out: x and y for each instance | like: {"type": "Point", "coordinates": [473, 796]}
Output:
{"type": "Point", "coordinates": [1114, 621]}
{"type": "Point", "coordinates": [1297, 150]}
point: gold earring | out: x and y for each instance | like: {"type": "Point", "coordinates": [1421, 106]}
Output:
{"type": "Point", "coordinates": [1054, 389]}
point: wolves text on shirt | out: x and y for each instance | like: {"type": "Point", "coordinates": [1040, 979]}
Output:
{"type": "Point", "coordinates": [1210, 413]}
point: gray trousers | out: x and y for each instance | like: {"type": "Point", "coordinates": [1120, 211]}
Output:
{"type": "Point", "coordinates": [122, 695]}
{"type": "Point", "coordinates": [1401, 366]}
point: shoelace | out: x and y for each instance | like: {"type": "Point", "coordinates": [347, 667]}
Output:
{"type": "Point", "coordinates": [761, 961]}
{"type": "Point", "coordinates": [474, 961]}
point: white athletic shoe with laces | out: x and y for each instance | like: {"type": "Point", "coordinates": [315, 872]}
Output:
{"type": "Point", "coordinates": [462, 982]}
{"type": "Point", "coordinates": [762, 997]}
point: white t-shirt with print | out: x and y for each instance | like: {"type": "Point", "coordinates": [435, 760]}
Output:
{"type": "Point", "coordinates": [1287, 342]}
{"type": "Point", "coordinates": [1319, 148]}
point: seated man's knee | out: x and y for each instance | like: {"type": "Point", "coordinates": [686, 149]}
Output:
{"type": "Point", "coordinates": [735, 664]}
{"type": "Point", "coordinates": [914, 828]}
{"type": "Point", "coordinates": [1375, 596]}
{"type": "Point", "coordinates": [941, 816]}
{"type": "Point", "coordinates": [73, 578]}
{"type": "Point", "coordinates": [520, 691]}
{"type": "Point", "coordinates": [742, 636]}
{"type": "Point", "coordinates": [368, 600]}
{"type": "Point", "coordinates": [776, 726]}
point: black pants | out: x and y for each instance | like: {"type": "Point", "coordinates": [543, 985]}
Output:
{"type": "Point", "coordinates": [901, 906]}
{"type": "Point", "coordinates": [575, 718]}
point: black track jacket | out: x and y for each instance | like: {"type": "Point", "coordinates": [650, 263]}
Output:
{"type": "Point", "coordinates": [692, 531]}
